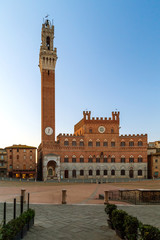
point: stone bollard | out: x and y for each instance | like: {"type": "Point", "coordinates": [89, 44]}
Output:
{"type": "Point", "coordinates": [105, 197]}
{"type": "Point", "coordinates": [23, 193]}
{"type": "Point", "coordinates": [64, 196]}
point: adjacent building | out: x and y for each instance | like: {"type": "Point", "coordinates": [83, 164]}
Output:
{"type": "Point", "coordinates": [3, 163]}
{"type": "Point", "coordinates": [21, 161]}
{"type": "Point", "coordinates": [153, 159]}
{"type": "Point", "coordinates": [95, 149]}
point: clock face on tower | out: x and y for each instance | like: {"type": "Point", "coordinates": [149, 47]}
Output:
{"type": "Point", "coordinates": [101, 129]}
{"type": "Point", "coordinates": [48, 130]}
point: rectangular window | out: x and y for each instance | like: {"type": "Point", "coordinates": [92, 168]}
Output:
{"type": "Point", "coordinates": [2, 157]}
{"type": "Point", "coordinates": [17, 149]}
{"type": "Point", "coordinates": [24, 150]}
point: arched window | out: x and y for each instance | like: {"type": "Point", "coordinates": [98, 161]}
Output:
{"type": "Point", "coordinates": [105, 143]}
{"type": "Point", "coordinates": [131, 159]}
{"type": "Point", "coordinates": [131, 143]}
{"type": "Point", "coordinates": [105, 172]}
{"type": "Point", "coordinates": [112, 130]}
{"type": "Point", "coordinates": [66, 158]}
{"type": "Point", "coordinates": [97, 159]}
{"type": "Point", "coordinates": [81, 143]}
{"type": "Point", "coordinates": [50, 171]}
{"type": "Point", "coordinates": [66, 143]}
{"type": "Point", "coordinates": [66, 174]}
{"type": "Point", "coordinates": [48, 42]}
{"type": "Point", "coordinates": [74, 158]}
{"type": "Point", "coordinates": [112, 172]}
{"type": "Point", "coordinates": [81, 172]}
{"type": "Point", "coordinates": [90, 172]}
{"type": "Point", "coordinates": [97, 172]}
{"type": "Point", "coordinates": [74, 143]}
{"type": "Point", "coordinates": [105, 159]}
{"type": "Point", "coordinates": [140, 143]}
{"type": "Point", "coordinates": [122, 172]}
{"type": "Point", "coordinates": [81, 158]}
{"type": "Point", "coordinates": [123, 143]}
{"type": "Point", "coordinates": [139, 172]}
{"type": "Point", "coordinates": [74, 173]}
{"type": "Point", "coordinates": [90, 159]}
{"type": "Point", "coordinates": [113, 159]}
{"type": "Point", "coordinates": [123, 159]}
{"type": "Point", "coordinates": [113, 144]}
{"type": "Point", "coordinates": [98, 143]}
{"type": "Point", "coordinates": [140, 159]}
{"type": "Point", "coordinates": [90, 130]}
{"type": "Point", "coordinates": [90, 144]}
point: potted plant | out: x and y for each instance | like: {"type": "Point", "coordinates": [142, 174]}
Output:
{"type": "Point", "coordinates": [131, 225]}
{"type": "Point", "coordinates": [109, 209]}
{"type": "Point", "coordinates": [17, 228]}
{"type": "Point", "coordinates": [31, 215]}
{"type": "Point", "coordinates": [148, 232]}
{"type": "Point", "coordinates": [118, 217]}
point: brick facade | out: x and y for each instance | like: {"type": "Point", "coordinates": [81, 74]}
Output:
{"type": "Point", "coordinates": [95, 150]}
{"type": "Point", "coordinates": [21, 161]}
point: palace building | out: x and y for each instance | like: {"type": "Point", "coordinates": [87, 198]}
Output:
{"type": "Point", "coordinates": [95, 150]}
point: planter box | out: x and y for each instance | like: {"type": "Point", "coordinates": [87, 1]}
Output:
{"type": "Point", "coordinates": [110, 225]}
{"type": "Point", "coordinates": [18, 236]}
{"type": "Point", "coordinates": [30, 223]}
{"type": "Point", "coordinates": [119, 234]}
{"type": "Point", "coordinates": [24, 230]}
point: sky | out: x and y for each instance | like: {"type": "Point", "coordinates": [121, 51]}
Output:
{"type": "Point", "coordinates": [108, 59]}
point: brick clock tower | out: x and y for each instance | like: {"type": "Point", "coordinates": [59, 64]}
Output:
{"type": "Point", "coordinates": [47, 63]}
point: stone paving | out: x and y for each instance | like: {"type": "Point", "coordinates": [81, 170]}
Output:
{"type": "Point", "coordinates": [70, 222]}
{"type": "Point", "coordinates": [147, 214]}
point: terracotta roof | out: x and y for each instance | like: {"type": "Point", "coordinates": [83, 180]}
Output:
{"type": "Point", "coordinates": [21, 146]}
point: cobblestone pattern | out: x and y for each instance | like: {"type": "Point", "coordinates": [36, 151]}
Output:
{"type": "Point", "coordinates": [68, 222]}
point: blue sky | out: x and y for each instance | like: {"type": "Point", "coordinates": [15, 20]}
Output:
{"type": "Point", "coordinates": [108, 59]}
